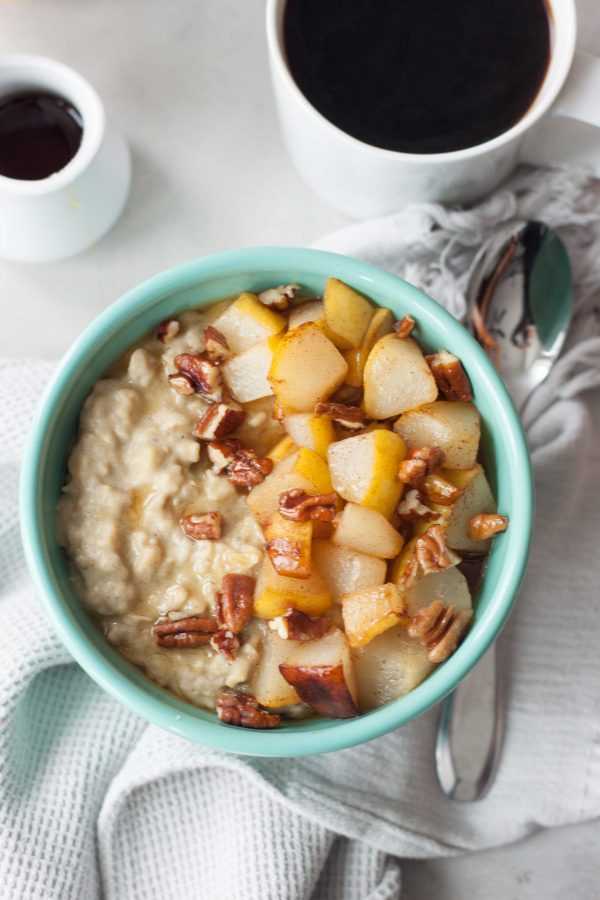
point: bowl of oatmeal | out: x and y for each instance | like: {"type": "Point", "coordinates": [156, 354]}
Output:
{"type": "Point", "coordinates": [255, 495]}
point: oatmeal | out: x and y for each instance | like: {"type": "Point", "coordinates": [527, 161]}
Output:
{"type": "Point", "coordinates": [267, 504]}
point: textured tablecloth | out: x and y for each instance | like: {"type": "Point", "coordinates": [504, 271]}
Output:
{"type": "Point", "coordinates": [94, 802]}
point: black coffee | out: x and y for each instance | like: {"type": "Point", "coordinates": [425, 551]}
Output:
{"type": "Point", "coordinates": [420, 76]}
{"type": "Point", "coordinates": [39, 135]}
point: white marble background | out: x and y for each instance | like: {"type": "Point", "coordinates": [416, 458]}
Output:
{"type": "Point", "coordinates": [187, 81]}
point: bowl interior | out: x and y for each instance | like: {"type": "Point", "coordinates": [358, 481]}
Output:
{"type": "Point", "coordinates": [503, 449]}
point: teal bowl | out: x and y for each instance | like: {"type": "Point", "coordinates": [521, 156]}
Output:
{"type": "Point", "coordinates": [190, 285]}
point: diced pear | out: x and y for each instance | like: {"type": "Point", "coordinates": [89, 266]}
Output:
{"type": "Point", "coordinates": [246, 374]}
{"type": "Point", "coordinates": [396, 378]}
{"type": "Point", "coordinates": [309, 311]}
{"type": "Point", "coordinates": [364, 469]}
{"type": "Point", "coordinates": [477, 498]}
{"type": "Point", "coordinates": [450, 586]}
{"type": "Point", "coordinates": [388, 667]}
{"type": "Point", "coordinates": [371, 611]}
{"type": "Point", "coordinates": [321, 672]}
{"type": "Point", "coordinates": [289, 546]}
{"type": "Point", "coordinates": [259, 430]}
{"type": "Point", "coordinates": [367, 531]}
{"type": "Point", "coordinates": [347, 314]}
{"type": "Point", "coordinates": [404, 569]}
{"type": "Point", "coordinates": [307, 368]}
{"type": "Point", "coordinates": [453, 427]}
{"type": "Point", "coordinates": [304, 469]}
{"type": "Point", "coordinates": [267, 684]}
{"type": "Point", "coordinates": [282, 449]}
{"type": "Point", "coordinates": [276, 593]}
{"type": "Point", "coordinates": [247, 322]}
{"type": "Point", "coordinates": [381, 323]}
{"type": "Point", "coordinates": [346, 570]}
{"type": "Point", "coordinates": [308, 430]}
{"type": "Point", "coordinates": [312, 466]}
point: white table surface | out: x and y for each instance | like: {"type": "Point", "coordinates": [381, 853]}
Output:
{"type": "Point", "coordinates": [188, 83]}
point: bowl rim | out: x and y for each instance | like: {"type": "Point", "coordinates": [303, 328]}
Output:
{"type": "Point", "coordinates": [343, 733]}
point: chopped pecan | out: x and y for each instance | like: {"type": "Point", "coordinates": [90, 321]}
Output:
{"type": "Point", "coordinates": [486, 525]}
{"type": "Point", "coordinates": [412, 471]}
{"type": "Point", "coordinates": [439, 628]}
{"type": "Point", "coordinates": [202, 526]}
{"type": "Point", "coordinates": [248, 468]}
{"type": "Point", "coordinates": [419, 463]}
{"type": "Point", "coordinates": [436, 489]}
{"type": "Point", "coordinates": [235, 708]}
{"type": "Point", "coordinates": [225, 642]}
{"type": "Point", "coordinates": [182, 633]}
{"type": "Point", "coordinates": [405, 327]}
{"type": "Point", "coordinates": [168, 330]}
{"type": "Point", "coordinates": [222, 453]}
{"type": "Point", "coordinates": [219, 420]}
{"type": "Point", "coordinates": [432, 553]}
{"type": "Point", "coordinates": [244, 467]}
{"type": "Point", "coordinates": [411, 510]}
{"type": "Point", "coordinates": [294, 625]}
{"type": "Point", "coordinates": [352, 418]}
{"type": "Point", "coordinates": [279, 297]}
{"type": "Point", "coordinates": [297, 505]}
{"type": "Point", "coordinates": [204, 374]}
{"type": "Point", "coordinates": [234, 602]}
{"type": "Point", "coordinates": [452, 380]}
{"type": "Point", "coordinates": [215, 344]}
{"type": "Point", "coordinates": [181, 383]}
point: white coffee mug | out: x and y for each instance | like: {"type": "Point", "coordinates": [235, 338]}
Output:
{"type": "Point", "coordinates": [364, 181]}
{"type": "Point", "coordinates": [67, 212]}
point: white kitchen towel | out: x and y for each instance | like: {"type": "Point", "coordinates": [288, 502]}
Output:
{"type": "Point", "coordinates": [96, 803]}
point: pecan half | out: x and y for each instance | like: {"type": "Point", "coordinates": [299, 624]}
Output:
{"type": "Point", "coordinates": [352, 418]}
{"type": "Point", "coordinates": [420, 462]}
{"type": "Point", "coordinates": [279, 297]}
{"type": "Point", "coordinates": [410, 509]}
{"type": "Point", "coordinates": [215, 344]}
{"type": "Point", "coordinates": [405, 327]}
{"type": "Point", "coordinates": [182, 633]}
{"type": "Point", "coordinates": [439, 628]}
{"type": "Point", "coordinates": [297, 505]}
{"type": "Point", "coordinates": [181, 383]}
{"type": "Point", "coordinates": [235, 708]}
{"type": "Point", "coordinates": [204, 374]}
{"type": "Point", "coordinates": [432, 553]}
{"type": "Point", "coordinates": [168, 330]}
{"type": "Point", "coordinates": [202, 526]}
{"type": "Point", "coordinates": [294, 625]}
{"type": "Point", "coordinates": [452, 380]}
{"type": "Point", "coordinates": [234, 602]}
{"type": "Point", "coordinates": [225, 642]}
{"type": "Point", "coordinates": [436, 489]}
{"type": "Point", "coordinates": [219, 420]}
{"type": "Point", "coordinates": [486, 525]}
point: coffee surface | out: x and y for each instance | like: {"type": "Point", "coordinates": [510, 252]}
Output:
{"type": "Point", "coordinates": [419, 76]}
{"type": "Point", "coordinates": [39, 135]}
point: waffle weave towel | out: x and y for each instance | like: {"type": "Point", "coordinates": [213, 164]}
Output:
{"type": "Point", "coordinates": [96, 803]}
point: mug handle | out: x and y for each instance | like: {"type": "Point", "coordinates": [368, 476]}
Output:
{"type": "Point", "coordinates": [553, 143]}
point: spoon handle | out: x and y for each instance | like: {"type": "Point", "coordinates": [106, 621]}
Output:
{"type": "Point", "coordinates": [470, 733]}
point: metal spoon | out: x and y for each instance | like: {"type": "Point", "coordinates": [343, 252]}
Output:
{"type": "Point", "coordinates": [521, 302]}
